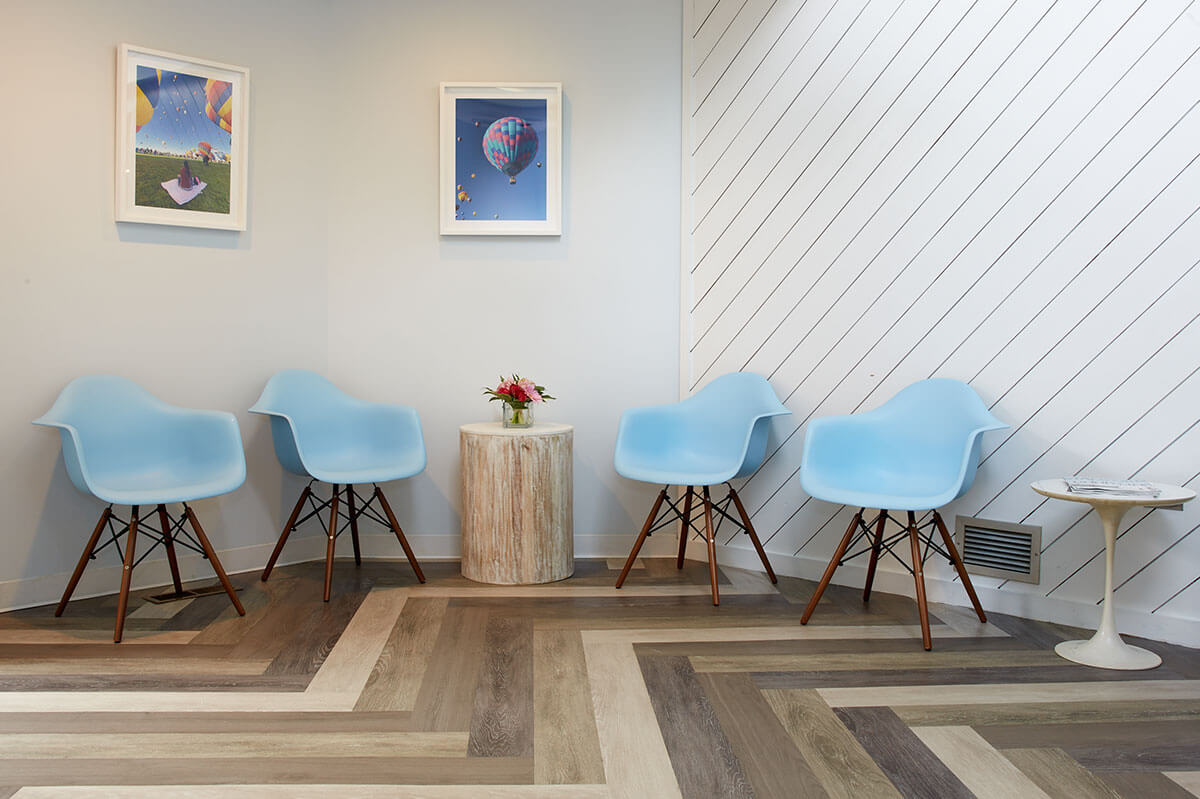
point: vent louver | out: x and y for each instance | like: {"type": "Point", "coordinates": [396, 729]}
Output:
{"type": "Point", "coordinates": [1000, 549]}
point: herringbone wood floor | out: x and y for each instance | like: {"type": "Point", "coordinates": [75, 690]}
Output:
{"type": "Point", "coordinates": [574, 690]}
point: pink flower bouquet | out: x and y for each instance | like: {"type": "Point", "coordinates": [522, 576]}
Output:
{"type": "Point", "coordinates": [517, 393]}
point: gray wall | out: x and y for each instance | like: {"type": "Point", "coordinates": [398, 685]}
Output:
{"type": "Point", "coordinates": [341, 269]}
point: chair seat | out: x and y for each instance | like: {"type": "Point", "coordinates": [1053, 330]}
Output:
{"type": "Point", "coordinates": [675, 468]}
{"type": "Point", "coordinates": [353, 466]}
{"type": "Point", "coordinates": [918, 493]}
{"type": "Point", "coordinates": [164, 485]}
{"type": "Point", "coordinates": [709, 438]}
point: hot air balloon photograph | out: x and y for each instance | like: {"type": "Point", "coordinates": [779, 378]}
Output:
{"type": "Point", "coordinates": [182, 140]}
{"type": "Point", "coordinates": [501, 148]}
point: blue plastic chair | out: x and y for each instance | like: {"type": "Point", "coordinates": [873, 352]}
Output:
{"type": "Point", "coordinates": [125, 446]}
{"type": "Point", "coordinates": [917, 452]}
{"type": "Point", "coordinates": [717, 435]}
{"type": "Point", "coordinates": [326, 435]}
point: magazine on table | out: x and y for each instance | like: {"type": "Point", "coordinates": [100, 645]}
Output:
{"type": "Point", "coordinates": [1094, 486]}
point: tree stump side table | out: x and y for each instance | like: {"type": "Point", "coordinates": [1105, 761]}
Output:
{"type": "Point", "coordinates": [517, 525]}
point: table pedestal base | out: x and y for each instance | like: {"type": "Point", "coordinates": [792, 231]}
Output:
{"type": "Point", "coordinates": [1108, 652]}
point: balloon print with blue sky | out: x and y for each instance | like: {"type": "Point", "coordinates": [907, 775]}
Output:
{"type": "Point", "coordinates": [499, 159]}
{"type": "Point", "coordinates": [182, 121]}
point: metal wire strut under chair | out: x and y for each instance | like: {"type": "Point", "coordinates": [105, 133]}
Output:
{"type": "Point", "coordinates": [178, 535]}
{"type": "Point", "coordinates": [358, 511]}
{"type": "Point", "coordinates": [176, 527]}
{"type": "Point", "coordinates": [341, 520]}
{"type": "Point", "coordinates": [672, 514]}
{"type": "Point", "coordinates": [916, 533]}
{"type": "Point", "coordinates": [926, 527]}
{"type": "Point", "coordinates": [691, 510]}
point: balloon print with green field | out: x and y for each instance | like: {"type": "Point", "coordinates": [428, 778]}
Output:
{"type": "Point", "coordinates": [182, 142]}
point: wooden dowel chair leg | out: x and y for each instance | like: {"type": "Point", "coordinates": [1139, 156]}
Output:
{"type": "Point", "coordinates": [353, 525]}
{"type": "Point", "coordinates": [958, 564]}
{"type": "Point", "coordinates": [831, 568]}
{"type": "Point", "coordinates": [710, 536]}
{"type": "Point", "coordinates": [758, 547]}
{"type": "Point", "coordinates": [637, 546]}
{"type": "Point", "coordinates": [214, 560]}
{"type": "Point", "coordinates": [919, 579]}
{"type": "Point", "coordinates": [876, 545]}
{"type": "Point", "coordinates": [329, 548]}
{"type": "Point", "coordinates": [408, 553]}
{"type": "Point", "coordinates": [685, 527]}
{"type": "Point", "coordinates": [83, 561]}
{"type": "Point", "coordinates": [287, 530]}
{"type": "Point", "coordinates": [172, 561]}
{"type": "Point", "coordinates": [126, 575]}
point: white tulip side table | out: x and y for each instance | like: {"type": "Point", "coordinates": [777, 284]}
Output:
{"type": "Point", "coordinates": [1105, 649]}
{"type": "Point", "coordinates": [516, 503]}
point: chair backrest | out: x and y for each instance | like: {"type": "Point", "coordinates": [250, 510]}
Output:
{"type": "Point", "coordinates": [733, 414]}
{"type": "Point", "coordinates": [110, 424]}
{"type": "Point", "coordinates": [929, 434]}
{"type": "Point", "coordinates": [307, 412]}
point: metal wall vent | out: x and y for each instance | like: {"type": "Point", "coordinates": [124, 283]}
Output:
{"type": "Point", "coordinates": [1000, 549]}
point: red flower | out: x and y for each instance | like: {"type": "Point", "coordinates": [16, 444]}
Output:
{"type": "Point", "coordinates": [518, 394]}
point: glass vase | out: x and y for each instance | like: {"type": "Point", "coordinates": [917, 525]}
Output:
{"type": "Point", "coordinates": [517, 417]}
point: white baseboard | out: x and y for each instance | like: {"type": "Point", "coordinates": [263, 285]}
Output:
{"type": "Point", "coordinates": [1077, 614]}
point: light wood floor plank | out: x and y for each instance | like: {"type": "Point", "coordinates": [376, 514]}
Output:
{"type": "Point", "coordinates": [260, 745]}
{"type": "Point", "coordinates": [843, 767]}
{"type": "Point", "coordinates": [183, 770]}
{"type": "Point", "coordinates": [162, 665]}
{"type": "Point", "coordinates": [981, 768]}
{"type": "Point", "coordinates": [965, 621]}
{"type": "Point", "coordinates": [1188, 780]}
{"type": "Point", "coordinates": [165, 610]}
{"type": "Point", "coordinates": [566, 745]}
{"type": "Point", "coordinates": [1059, 775]}
{"type": "Point", "coordinates": [199, 722]}
{"type": "Point", "coordinates": [397, 675]}
{"type": "Point", "coordinates": [635, 766]}
{"type": "Point", "coordinates": [343, 791]}
{"type": "Point", "coordinates": [348, 666]}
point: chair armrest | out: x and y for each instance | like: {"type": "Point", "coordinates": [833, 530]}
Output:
{"type": "Point", "coordinates": [652, 426]}
{"type": "Point", "coordinates": [835, 441]}
{"type": "Point", "coordinates": [210, 433]}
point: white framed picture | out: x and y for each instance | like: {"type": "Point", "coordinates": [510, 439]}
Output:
{"type": "Point", "coordinates": [182, 140]}
{"type": "Point", "coordinates": [501, 159]}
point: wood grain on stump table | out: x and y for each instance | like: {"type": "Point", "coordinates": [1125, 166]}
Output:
{"type": "Point", "coordinates": [517, 509]}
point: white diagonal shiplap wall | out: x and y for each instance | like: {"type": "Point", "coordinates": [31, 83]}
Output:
{"type": "Point", "coordinates": [880, 191]}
